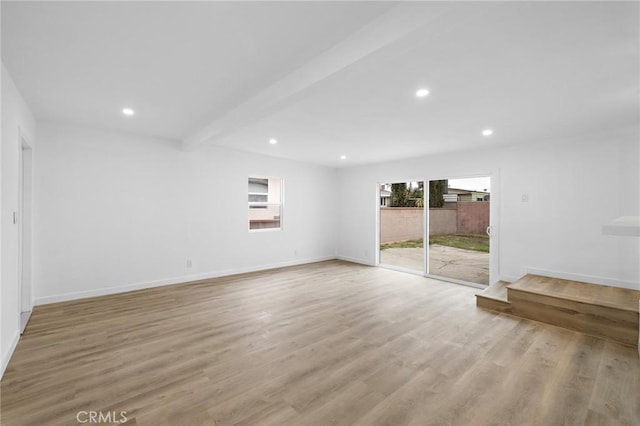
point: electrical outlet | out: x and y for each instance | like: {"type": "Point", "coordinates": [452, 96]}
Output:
{"type": "Point", "coordinates": [295, 252]}
{"type": "Point", "coordinates": [189, 264]}
{"type": "Point", "coordinates": [525, 198]}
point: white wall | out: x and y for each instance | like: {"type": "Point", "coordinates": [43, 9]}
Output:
{"type": "Point", "coordinates": [16, 119]}
{"type": "Point", "coordinates": [574, 188]}
{"type": "Point", "coordinates": [117, 211]}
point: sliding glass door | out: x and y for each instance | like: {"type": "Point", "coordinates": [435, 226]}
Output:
{"type": "Point", "coordinates": [401, 227]}
{"type": "Point", "coordinates": [459, 229]}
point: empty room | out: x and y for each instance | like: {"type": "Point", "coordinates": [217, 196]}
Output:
{"type": "Point", "coordinates": [320, 213]}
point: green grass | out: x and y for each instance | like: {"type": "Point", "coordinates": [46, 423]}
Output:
{"type": "Point", "coordinates": [402, 244]}
{"type": "Point", "coordinates": [468, 242]}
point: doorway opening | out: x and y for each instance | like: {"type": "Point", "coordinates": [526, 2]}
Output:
{"type": "Point", "coordinates": [460, 229]}
{"type": "Point", "coordinates": [401, 226]}
{"type": "Point", "coordinates": [25, 233]}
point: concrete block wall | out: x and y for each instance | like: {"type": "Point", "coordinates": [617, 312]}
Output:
{"type": "Point", "coordinates": [407, 223]}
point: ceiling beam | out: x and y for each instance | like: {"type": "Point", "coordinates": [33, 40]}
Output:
{"type": "Point", "coordinates": [389, 27]}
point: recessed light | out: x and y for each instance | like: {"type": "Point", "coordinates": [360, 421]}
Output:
{"type": "Point", "coordinates": [421, 93]}
{"type": "Point", "coordinates": [343, 157]}
{"type": "Point", "coordinates": [273, 141]}
{"type": "Point", "coordinates": [128, 111]}
{"type": "Point", "coordinates": [487, 132]}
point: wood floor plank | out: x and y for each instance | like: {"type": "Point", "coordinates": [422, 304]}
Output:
{"type": "Point", "coordinates": [330, 343]}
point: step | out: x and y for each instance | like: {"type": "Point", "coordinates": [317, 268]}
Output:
{"type": "Point", "coordinates": [602, 311]}
{"type": "Point", "coordinates": [494, 298]}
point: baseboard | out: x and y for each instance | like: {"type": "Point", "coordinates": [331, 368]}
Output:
{"type": "Point", "coordinates": [584, 278]}
{"type": "Point", "coordinates": [354, 260]}
{"type": "Point", "coordinates": [170, 281]}
{"type": "Point", "coordinates": [509, 278]}
{"type": "Point", "coordinates": [6, 357]}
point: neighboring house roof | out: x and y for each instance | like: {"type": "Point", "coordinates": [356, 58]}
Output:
{"type": "Point", "coordinates": [465, 191]}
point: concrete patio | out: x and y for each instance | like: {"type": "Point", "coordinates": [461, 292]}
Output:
{"type": "Point", "coordinates": [450, 262]}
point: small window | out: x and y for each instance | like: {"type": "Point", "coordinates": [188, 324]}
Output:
{"type": "Point", "coordinates": [265, 203]}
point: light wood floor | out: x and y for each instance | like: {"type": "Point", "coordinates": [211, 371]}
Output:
{"type": "Point", "coordinates": [321, 344]}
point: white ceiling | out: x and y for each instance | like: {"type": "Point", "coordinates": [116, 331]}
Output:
{"type": "Point", "coordinates": [178, 64]}
{"type": "Point", "coordinates": [531, 71]}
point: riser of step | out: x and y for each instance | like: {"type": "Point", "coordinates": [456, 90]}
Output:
{"type": "Point", "coordinates": [493, 304]}
{"type": "Point", "coordinates": [605, 322]}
